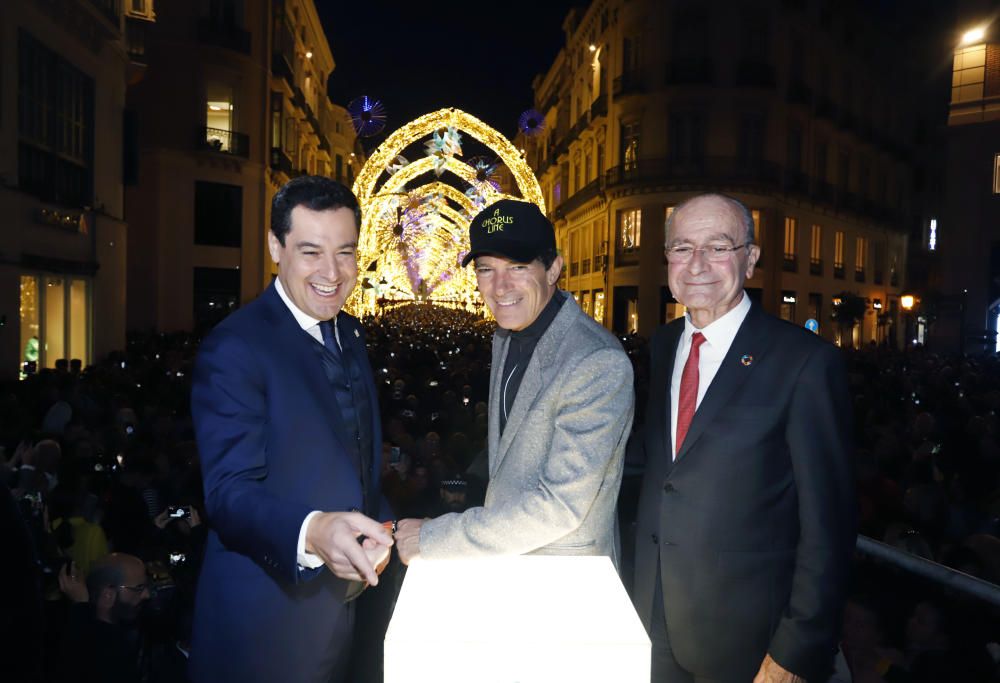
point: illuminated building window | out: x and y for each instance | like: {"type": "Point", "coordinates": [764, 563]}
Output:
{"type": "Point", "coordinates": [55, 321]}
{"type": "Point", "coordinates": [860, 258]}
{"type": "Point", "coordinates": [791, 228]}
{"type": "Point", "coordinates": [816, 250]}
{"type": "Point", "coordinates": [968, 74]}
{"type": "Point", "coordinates": [630, 145]}
{"type": "Point", "coordinates": [219, 112]}
{"type": "Point", "coordinates": [838, 254]}
{"type": "Point", "coordinates": [599, 306]}
{"type": "Point", "coordinates": [629, 230]}
{"type": "Point", "coordinates": [996, 174]}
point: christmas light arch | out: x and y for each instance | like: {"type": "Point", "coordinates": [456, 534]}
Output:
{"type": "Point", "coordinates": [412, 240]}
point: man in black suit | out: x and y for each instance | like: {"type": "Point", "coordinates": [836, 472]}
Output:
{"type": "Point", "coordinates": [747, 513]}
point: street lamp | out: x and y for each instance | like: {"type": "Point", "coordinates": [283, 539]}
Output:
{"type": "Point", "coordinates": [974, 35]}
{"type": "Point", "coordinates": [907, 301]}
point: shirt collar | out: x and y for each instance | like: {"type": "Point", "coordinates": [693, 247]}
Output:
{"type": "Point", "coordinates": [720, 333]}
{"type": "Point", "coordinates": [304, 320]}
{"type": "Point", "coordinates": [537, 328]}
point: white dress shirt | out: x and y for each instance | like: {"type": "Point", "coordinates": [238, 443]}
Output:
{"type": "Point", "coordinates": [310, 324]}
{"type": "Point", "coordinates": [719, 336]}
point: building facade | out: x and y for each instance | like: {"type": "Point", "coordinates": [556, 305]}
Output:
{"type": "Point", "coordinates": [229, 103]}
{"type": "Point", "coordinates": [789, 106]}
{"type": "Point", "coordinates": [963, 314]}
{"type": "Point", "coordinates": [63, 246]}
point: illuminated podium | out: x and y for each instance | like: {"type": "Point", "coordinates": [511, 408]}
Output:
{"type": "Point", "coordinates": [524, 619]}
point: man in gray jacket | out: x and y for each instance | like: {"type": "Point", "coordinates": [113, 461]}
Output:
{"type": "Point", "coordinates": [560, 409]}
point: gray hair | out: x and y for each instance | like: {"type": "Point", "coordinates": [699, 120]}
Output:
{"type": "Point", "coordinates": [741, 210]}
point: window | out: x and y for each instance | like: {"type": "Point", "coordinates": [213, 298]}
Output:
{"type": "Point", "coordinates": [791, 227]}
{"type": "Point", "coordinates": [968, 74]}
{"type": "Point", "coordinates": [751, 149]}
{"type": "Point", "coordinates": [879, 259]}
{"type": "Point", "coordinates": [630, 145]}
{"type": "Point", "coordinates": [816, 250]}
{"type": "Point", "coordinates": [821, 163]}
{"type": "Point", "coordinates": [795, 148]}
{"type": "Point", "coordinates": [838, 254]}
{"type": "Point", "coordinates": [599, 306]}
{"type": "Point", "coordinates": [787, 311]}
{"type": "Point", "coordinates": [864, 177]}
{"type": "Point", "coordinates": [686, 137]}
{"type": "Point", "coordinates": [996, 174]}
{"type": "Point", "coordinates": [216, 295]}
{"type": "Point", "coordinates": [220, 113]}
{"type": "Point", "coordinates": [218, 214]}
{"type": "Point", "coordinates": [55, 126]}
{"type": "Point", "coordinates": [574, 253]}
{"type": "Point", "coordinates": [55, 321]}
{"type": "Point", "coordinates": [860, 257]}
{"type": "Point", "coordinates": [629, 230]}
{"type": "Point", "coordinates": [588, 168]}
{"type": "Point", "coordinates": [816, 307]}
{"type": "Point", "coordinates": [843, 170]}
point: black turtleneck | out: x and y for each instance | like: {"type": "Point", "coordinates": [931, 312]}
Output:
{"type": "Point", "coordinates": [522, 345]}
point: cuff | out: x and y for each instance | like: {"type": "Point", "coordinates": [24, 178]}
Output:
{"type": "Point", "coordinates": [305, 559]}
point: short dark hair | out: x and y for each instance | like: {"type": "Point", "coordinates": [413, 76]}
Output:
{"type": "Point", "coordinates": [316, 193]}
{"type": "Point", "coordinates": [548, 257]}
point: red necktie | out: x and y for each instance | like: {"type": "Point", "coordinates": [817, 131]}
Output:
{"type": "Point", "coordinates": [688, 399]}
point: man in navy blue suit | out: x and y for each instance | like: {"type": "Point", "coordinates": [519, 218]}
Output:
{"type": "Point", "coordinates": [288, 431]}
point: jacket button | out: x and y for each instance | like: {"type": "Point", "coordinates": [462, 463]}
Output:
{"type": "Point", "coordinates": [656, 539]}
{"type": "Point", "coordinates": [668, 487]}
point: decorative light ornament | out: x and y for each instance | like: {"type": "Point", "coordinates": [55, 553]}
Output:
{"type": "Point", "coordinates": [531, 122]}
{"type": "Point", "coordinates": [367, 115]}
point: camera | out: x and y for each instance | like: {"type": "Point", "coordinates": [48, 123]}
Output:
{"type": "Point", "coordinates": [178, 512]}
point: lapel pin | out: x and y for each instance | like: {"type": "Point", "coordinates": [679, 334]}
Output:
{"type": "Point", "coordinates": [357, 334]}
{"type": "Point", "coordinates": [746, 359]}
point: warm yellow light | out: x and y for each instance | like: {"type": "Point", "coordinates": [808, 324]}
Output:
{"type": "Point", "coordinates": [414, 234]}
{"type": "Point", "coordinates": [906, 301]}
{"type": "Point", "coordinates": [593, 48]}
{"type": "Point", "coordinates": [974, 35]}
{"type": "Point", "coordinates": [309, 54]}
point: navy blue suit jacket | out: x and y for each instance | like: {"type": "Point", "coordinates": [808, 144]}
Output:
{"type": "Point", "coordinates": [270, 440]}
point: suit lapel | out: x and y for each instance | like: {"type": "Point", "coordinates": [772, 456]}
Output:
{"type": "Point", "coordinates": [309, 355]}
{"type": "Point", "coordinates": [750, 341]}
{"type": "Point", "coordinates": [501, 342]}
{"type": "Point", "coordinates": [536, 375]}
{"type": "Point", "coordinates": [660, 383]}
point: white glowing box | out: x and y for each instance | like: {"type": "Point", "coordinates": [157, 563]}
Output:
{"type": "Point", "coordinates": [521, 619]}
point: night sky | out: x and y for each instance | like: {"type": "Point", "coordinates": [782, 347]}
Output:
{"type": "Point", "coordinates": [418, 57]}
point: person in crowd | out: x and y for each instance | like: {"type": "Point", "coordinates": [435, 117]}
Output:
{"type": "Point", "coordinates": [745, 528]}
{"type": "Point", "coordinates": [561, 405]}
{"type": "Point", "coordinates": [287, 426]}
{"type": "Point", "coordinates": [102, 643]}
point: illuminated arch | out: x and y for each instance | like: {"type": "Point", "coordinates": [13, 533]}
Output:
{"type": "Point", "coordinates": [420, 235]}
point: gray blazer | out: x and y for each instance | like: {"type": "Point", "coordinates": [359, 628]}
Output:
{"type": "Point", "coordinates": [555, 474]}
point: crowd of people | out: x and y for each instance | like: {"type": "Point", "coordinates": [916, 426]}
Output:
{"type": "Point", "coordinates": [104, 522]}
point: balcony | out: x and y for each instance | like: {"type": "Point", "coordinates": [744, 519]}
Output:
{"type": "Point", "coordinates": [224, 141]}
{"type": "Point", "coordinates": [699, 71]}
{"type": "Point", "coordinates": [579, 198]}
{"type": "Point", "coordinates": [283, 57]}
{"type": "Point", "coordinates": [816, 266]}
{"type": "Point", "coordinates": [754, 74]}
{"type": "Point", "coordinates": [585, 266]}
{"type": "Point", "coordinates": [599, 107]}
{"type": "Point", "coordinates": [580, 125]}
{"type": "Point", "coordinates": [629, 83]}
{"type": "Point", "coordinates": [859, 275]}
{"type": "Point", "coordinates": [281, 162]}
{"type": "Point", "coordinates": [838, 271]}
{"type": "Point", "coordinates": [135, 40]}
{"type": "Point", "coordinates": [790, 264]}
{"type": "Point", "coordinates": [709, 170]}
{"type": "Point", "coordinates": [227, 36]}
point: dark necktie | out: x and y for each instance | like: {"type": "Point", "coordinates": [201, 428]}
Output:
{"type": "Point", "coordinates": [687, 401]}
{"type": "Point", "coordinates": [326, 327]}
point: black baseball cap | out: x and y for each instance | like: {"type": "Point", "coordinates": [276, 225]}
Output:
{"type": "Point", "coordinates": [511, 228]}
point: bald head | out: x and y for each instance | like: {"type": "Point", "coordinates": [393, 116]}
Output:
{"type": "Point", "coordinates": [737, 212]}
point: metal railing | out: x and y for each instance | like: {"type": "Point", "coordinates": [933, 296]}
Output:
{"type": "Point", "coordinates": [938, 573]}
{"type": "Point", "coordinates": [226, 141]}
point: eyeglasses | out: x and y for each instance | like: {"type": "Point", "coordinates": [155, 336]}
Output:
{"type": "Point", "coordinates": [137, 589]}
{"type": "Point", "coordinates": [715, 253]}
